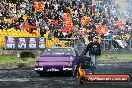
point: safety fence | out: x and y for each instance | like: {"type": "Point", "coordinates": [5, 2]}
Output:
{"type": "Point", "coordinates": [107, 44]}
{"type": "Point", "coordinates": [77, 43]}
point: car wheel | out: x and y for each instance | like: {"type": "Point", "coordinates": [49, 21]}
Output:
{"type": "Point", "coordinates": [41, 74]}
{"type": "Point", "coordinates": [79, 80]}
{"type": "Point", "coordinates": [69, 73]}
{"type": "Point", "coordinates": [82, 80]}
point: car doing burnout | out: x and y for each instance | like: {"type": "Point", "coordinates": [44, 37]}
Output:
{"type": "Point", "coordinates": [57, 60]}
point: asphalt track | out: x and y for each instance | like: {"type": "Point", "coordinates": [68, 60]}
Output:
{"type": "Point", "coordinates": [28, 78]}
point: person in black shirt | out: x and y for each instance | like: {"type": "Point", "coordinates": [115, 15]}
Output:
{"type": "Point", "coordinates": [2, 24]}
{"type": "Point", "coordinates": [20, 20]}
{"type": "Point", "coordinates": [61, 35]}
{"type": "Point", "coordinates": [94, 50]}
{"type": "Point", "coordinates": [42, 31]}
{"type": "Point", "coordinates": [55, 33]}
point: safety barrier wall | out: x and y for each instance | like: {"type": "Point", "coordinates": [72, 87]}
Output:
{"type": "Point", "coordinates": [79, 44]}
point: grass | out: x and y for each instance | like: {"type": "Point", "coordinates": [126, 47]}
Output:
{"type": "Point", "coordinates": [14, 59]}
{"type": "Point", "coordinates": [121, 56]}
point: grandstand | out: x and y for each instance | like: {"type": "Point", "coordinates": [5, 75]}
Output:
{"type": "Point", "coordinates": [25, 18]}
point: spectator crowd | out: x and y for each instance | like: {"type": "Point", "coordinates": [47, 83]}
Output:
{"type": "Point", "coordinates": [66, 18]}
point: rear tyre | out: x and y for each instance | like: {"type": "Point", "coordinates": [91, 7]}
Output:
{"type": "Point", "coordinates": [70, 73]}
{"type": "Point", "coordinates": [81, 81]}
{"type": "Point", "coordinates": [41, 74]}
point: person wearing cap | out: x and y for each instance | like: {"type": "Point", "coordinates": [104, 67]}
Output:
{"type": "Point", "coordinates": [94, 50]}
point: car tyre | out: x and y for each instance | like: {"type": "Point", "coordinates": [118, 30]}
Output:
{"type": "Point", "coordinates": [81, 80]}
{"type": "Point", "coordinates": [41, 74]}
{"type": "Point", "coordinates": [69, 73]}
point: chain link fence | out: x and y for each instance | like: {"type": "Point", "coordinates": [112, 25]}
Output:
{"type": "Point", "coordinates": [116, 44]}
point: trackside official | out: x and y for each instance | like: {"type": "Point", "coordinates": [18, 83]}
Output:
{"type": "Point", "coordinates": [94, 50]}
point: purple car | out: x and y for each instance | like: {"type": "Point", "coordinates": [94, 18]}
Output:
{"type": "Point", "coordinates": [57, 60]}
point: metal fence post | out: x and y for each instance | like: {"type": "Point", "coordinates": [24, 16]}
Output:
{"type": "Point", "coordinates": [130, 44]}
{"type": "Point", "coordinates": [111, 45]}
{"type": "Point", "coordinates": [104, 44]}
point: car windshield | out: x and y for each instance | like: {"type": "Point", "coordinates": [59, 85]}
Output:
{"type": "Point", "coordinates": [59, 51]}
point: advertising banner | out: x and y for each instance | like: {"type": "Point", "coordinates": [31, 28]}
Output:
{"type": "Point", "coordinates": [42, 43]}
{"type": "Point", "coordinates": [10, 43]}
{"type": "Point", "coordinates": [21, 43]}
{"type": "Point", "coordinates": [25, 43]}
{"type": "Point", "coordinates": [32, 43]}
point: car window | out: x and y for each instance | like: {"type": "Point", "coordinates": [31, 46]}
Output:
{"type": "Point", "coordinates": [59, 51]}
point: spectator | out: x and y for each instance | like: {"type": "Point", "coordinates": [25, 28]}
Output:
{"type": "Point", "coordinates": [42, 31]}
{"type": "Point", "coordinates": [56, 33]}
{"type": "Point", "coordinates": [20, 20]}
{"type": "Point", "coordinates": [82, 14]}
{"type": "Point", "coordinates": [110, 39]}
{"type": "Point", "coordinates": [61, 35]}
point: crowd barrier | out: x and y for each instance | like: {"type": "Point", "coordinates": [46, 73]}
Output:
{"type": "Point", "coordinates": [74, 42]}
{"type": "Point", "coordinates": [22, 43]}
{"type": "Point", "coordinates": [107, 44]}
{"type": "Point", "coordinates": [78, 43]}
{"type": "Point", "coordinates": [2, 41]}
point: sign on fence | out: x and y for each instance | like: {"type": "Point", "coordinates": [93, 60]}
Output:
{"type": "Point", "coordinates": [11, 43]}
{"type": "Point", "coordinates": [22, 43]}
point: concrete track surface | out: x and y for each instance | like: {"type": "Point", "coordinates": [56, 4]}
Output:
{"type": "Point", "coordinates": [28, 78]}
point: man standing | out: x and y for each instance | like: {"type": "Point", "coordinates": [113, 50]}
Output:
{"type": "Point", "coordinates": [94, 50]}
{"type": "Point", "coordinates": [110, 39]}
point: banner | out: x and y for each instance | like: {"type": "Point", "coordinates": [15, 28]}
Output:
{"type": "Point", "coordinates": [21, 43]}
{"type": "Point", "coordinates": [25, 43]}
{"type": "Point", "coordinates": [25, 25]}
{"type": "Point", "coordinates": [10, 43]}
{"type": "Point", "coordinates": [32, 43]}
{"type": "Point", "coordinates": [42, 43]}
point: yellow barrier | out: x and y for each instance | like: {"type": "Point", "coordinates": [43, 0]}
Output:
{"type": "Point", "coordinates": [2, 42]}
{"type": "Point", "coordinates": [7, 20]}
